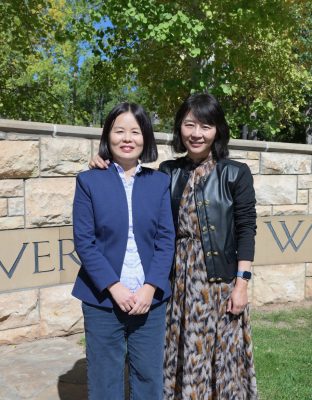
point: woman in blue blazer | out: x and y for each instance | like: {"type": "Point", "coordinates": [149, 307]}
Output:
{"type": "Point", "coordinates": [124, 236]}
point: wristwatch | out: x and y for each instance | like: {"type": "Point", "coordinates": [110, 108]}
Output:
{"type": "Point", "coordinates": [244, 275]}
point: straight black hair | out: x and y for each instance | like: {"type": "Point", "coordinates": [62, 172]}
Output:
{"type": "Point", "coordinates": [149, 153]}
{"type": "Point", "coordinates": [207, 110]}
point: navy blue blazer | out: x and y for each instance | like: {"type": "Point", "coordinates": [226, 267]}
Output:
{"type": "Point", "coordinates": [101, 222]}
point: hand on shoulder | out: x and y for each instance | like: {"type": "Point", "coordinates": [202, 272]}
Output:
{"type": "Point", "coordinates": [98, 162]}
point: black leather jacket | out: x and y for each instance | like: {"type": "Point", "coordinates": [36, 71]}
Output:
{"type": "Point", "coordinates": [225, 203]}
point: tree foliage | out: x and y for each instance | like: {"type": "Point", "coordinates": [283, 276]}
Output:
{"type": "Point", "coordinates": [25, 32]}
{"type": "Point", "coordinates": [69, 61]}
{"type": "Point", "coordinates": [243, 52]}
{"type": "Point", "coordinates": [46, 64]}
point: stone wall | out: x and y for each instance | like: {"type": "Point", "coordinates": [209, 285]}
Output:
{"type": "Point", "coordinates": [38, 165]}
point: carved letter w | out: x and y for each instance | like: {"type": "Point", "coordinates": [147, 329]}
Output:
{"type": "Point", "coordinates": [290, 236]}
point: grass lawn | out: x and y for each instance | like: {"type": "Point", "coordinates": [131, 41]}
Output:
{"type": "Point", "coordinates": [283, 353]}
{"type": "Point", "coordinates": [282, 343]}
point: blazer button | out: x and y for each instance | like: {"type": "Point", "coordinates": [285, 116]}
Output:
{"type": "Point", "coordinates": [219, 279]}
{"type": "Point", "coordinates": [215, 253]}
{"type": "Point", "coordinates": [200, 203]}
{"type": "Point", "coordinates": [211, 280]}
{"type": "Point", "coordinates": [207, 202]}
{"type": "Point", "coordinates": [204, 228]}
{"type": "Point", "coordinates": [212, 227]}
{"type": "Point", "coordinates": [208, 254]}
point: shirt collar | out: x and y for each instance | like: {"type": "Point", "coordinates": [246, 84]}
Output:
{"type": "Point", "coordinates": [120, 170]}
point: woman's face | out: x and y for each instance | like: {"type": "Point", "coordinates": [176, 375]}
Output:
{"type": "Point", "coordinates": [126, 139]}
{"type": "Point", "coordinates": [197, 137]}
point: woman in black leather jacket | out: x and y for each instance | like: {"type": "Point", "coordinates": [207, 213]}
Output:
{"type": "Point", "coordinates": [208, 354]}
{"type": "Point", "coordinates": [208, 344]}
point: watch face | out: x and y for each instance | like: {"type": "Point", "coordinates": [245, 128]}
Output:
{"type": "Point", "coordinates": [246, 275]}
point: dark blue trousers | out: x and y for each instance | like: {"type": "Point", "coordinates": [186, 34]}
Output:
{"type": "Point", "coordinates": [111, 334]}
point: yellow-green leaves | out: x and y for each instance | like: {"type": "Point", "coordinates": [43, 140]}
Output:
{"type": "Point", "coordinates": [247, 55]}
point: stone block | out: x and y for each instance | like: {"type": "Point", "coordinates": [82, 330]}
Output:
{"type": "Point", "coordinates": [19, 159]}
{"type": "Point", "coordinates": [275, 189]}
{"type": "Point", "coordinates": [290, 209]}
{"type": "Point", "coordinates": [264, 211]}
{"type": "Point", "coordinates": [164, 154]}
{"type": "Point", "coordinates": [63, 156]}
{"type": "Point", "coordinates": [16, 206]}
{"type": "Point", "coordinates": [253, 155]}
{"type": "Point", "coordinates": [252, 164]}
{"type": "Point", "coordinates": [302, 196]}
{"type": "Point", "coordinates": [309, 269]}
{"type": "Point", "coordinates": [11, 188]}
{"type": "Point", "coordinates": [310, 201]}
{"type": "Point", "coordinates": [238, 154]}
{"type": "Point", "coordinates": [60, 312]}
{"type": "Point", "coordinates": [276, 163]}
{"type": "Point", "coordinates": [49, 201]}
{"type": "Point", "coordinates": [95, 147]}
{"type": "Point", "coordinates": [17, 335]}
{"type": "Point", "coordinates": [11, 222]}
{"type": "Point", "coordinates": [305, 182]}
{"type": "Point", "coordinates": [3, 207]}
{"type": "Point", "coordinates": [19, 309]}
{"type": "Point", "coordinates": [278, 283]}
{"type": "Point", "coordinates": [308, 288]}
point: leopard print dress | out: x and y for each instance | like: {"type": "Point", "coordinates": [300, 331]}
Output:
{"type": "Point", "coordinates": [208, 353]}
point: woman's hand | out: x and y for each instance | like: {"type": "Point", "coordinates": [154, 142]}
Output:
{"type": "Point", "coordinates": [143, 299]}
{"type": "Point", "coordinates": [239, 298]}
{"type": "Point", "coordinates": [98, 162]}
{"type": "Point", "coordinates": [122, 295]}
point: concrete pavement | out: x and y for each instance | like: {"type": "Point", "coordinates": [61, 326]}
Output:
{"type": "Point", "coordinates": [46, 369]}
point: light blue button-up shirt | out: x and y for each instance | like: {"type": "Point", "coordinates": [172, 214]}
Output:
{"type": "Point", "coordinates": [132, 273]}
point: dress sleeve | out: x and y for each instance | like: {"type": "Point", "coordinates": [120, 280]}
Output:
{"type": "Point", "coordinates": [245, 214]}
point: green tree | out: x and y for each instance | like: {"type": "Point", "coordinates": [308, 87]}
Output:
{"type": "Point", "coordinates": [17, 45]}
{"type": "Point", "coordinates": [243, 52]}
{"type": "Point", "coordinates": [46, 65]}
{"type": "Point", "coordinates": [68, 61]}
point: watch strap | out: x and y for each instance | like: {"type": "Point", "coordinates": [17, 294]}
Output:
{"type": "Point", "coordinates": [244, 275]}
